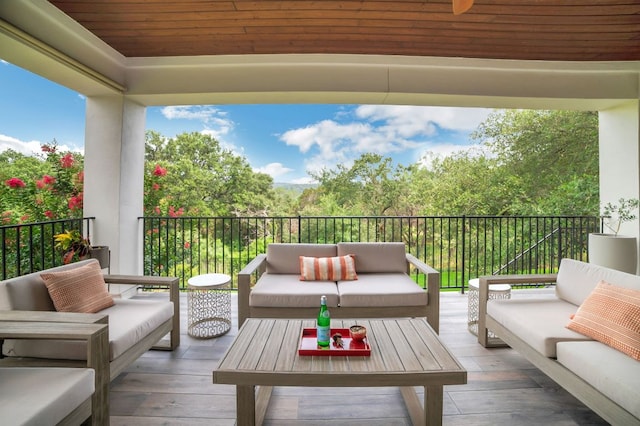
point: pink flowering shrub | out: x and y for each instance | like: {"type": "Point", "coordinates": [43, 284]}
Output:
{"type": "Point", "coordinates": [46, 187]}
{"type": "Point", "coordinates": [156, 202]}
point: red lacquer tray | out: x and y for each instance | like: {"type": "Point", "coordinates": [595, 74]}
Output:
{"type": "Point", "coordinates": [309, 344]}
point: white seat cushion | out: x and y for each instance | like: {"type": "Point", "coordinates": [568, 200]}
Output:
{"type": "Point", "coordinates": [541, 323]}
{"type": "Point", "coordinates": [381, 289]}
{"type": "Point", "coordinates": [42, 396]}
{"type": "Point", "coordinates": [287, 291]}
{"type": "Point", "coordinates": [130, 320]}
{"type": "Point", "coordinates": [612, 372]}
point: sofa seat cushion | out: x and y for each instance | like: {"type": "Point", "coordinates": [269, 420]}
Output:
{"type": "Point", "coordinates": [540, 322]}
{"type": "Point", "coordinates": [129, 322]}
{"type": "Point", "coordinates": [382, 289]}
{"type": "Point", "coordinates": [376, 257]}
{"type": "Point", "coordinates": [42, 396]}
{"type": "Point", "coordinates": [287, 291]}
{"type": "Point", "coordinates": [612, 372]}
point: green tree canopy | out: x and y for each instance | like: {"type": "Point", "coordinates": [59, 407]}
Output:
{"type": "Point", "coordinates": [552, 155]}
{"type": "Point", "coordinates": [193, 174]}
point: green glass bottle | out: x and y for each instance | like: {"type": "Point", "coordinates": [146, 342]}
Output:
{"type": "Point", "coordinates": [323, 324]}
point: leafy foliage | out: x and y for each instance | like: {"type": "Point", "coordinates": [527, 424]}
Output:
{"type": "Point", "coordinates": [193, 174]}
{"type": "Point", "coordinates": [44, 187]}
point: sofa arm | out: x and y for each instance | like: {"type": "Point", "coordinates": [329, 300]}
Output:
{"type": "Point", "coordinates": [433, 289]}
{"type": "Point", "coordinates": [28, 325]}
{"type": "Point", "coordinates": [483, 295]}
{"type": "Point", "coordinates": [256, 267]}
{"type": "Point", "coordinates": [146, 281]}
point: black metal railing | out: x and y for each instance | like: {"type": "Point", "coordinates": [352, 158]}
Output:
{"type": "Point", "coordinates": [30, 247]}
{"type": "Point", "coordinates": [460, 247]}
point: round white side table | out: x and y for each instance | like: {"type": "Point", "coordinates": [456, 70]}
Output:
{"type": "Point", "coordinates": [496, 291]}
{"type": "Point", "coordinates": [209, 305]}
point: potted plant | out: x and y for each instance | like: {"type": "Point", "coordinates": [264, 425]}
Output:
{"type": "Point", "coordinates": [611, 249]}
{"type": "Point", "coordinates": [75, 246]}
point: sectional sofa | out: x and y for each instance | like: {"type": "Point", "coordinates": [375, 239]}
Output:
{"type": "Point", "coordinates": [135, 325]}
{"type": "Point", "coordinates": [598, 367]}
{"type": "Point", "coordinates": [383, 287]}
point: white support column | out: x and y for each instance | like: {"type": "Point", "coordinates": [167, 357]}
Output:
{"type": "Point", "coordinates": [114, 173]}
{"type": "Point", "coordinates": [620, 158]}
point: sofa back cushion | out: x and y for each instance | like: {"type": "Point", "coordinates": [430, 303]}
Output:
{"type": "Point", "coordinates": [28, 292]}
{"type": "Point", "coordinates": [576, 280]}
{"type": "Point", "coordinates": [284, 258]}
{"type": "Point", "coordinates": [376, 257]}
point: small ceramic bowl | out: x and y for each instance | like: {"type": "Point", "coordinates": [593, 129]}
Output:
{"type": "Point", "coordinates": [357, 332]}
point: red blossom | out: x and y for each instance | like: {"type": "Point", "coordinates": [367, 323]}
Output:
{"type": "Point", "coordinates": [14, 183]}
{"type": "Point", "coordinates": [49, 180]}
{"type": "Point", "coordinates": [175, 213]}
{"type": "Point", "coordinates": [187, 244]}
{"type": "Point", "coordinates": [67, 161]}
{"type": "Point", "coordinates": [156, 186]}
{"type": "Point", "coordinates": [80, 176]}
{"type": "Point", "coordinates": [40, 184]}
{"type": "Point", "coordinates": [156, 209]}
{"type": "Point", "coordinates": [75, 202]}
{"type": "Point", "coordinates": [159, 171]}
{"type": "Point", "coordinates": [24, 217]}
{"type": "Point", "coordinates": [49, 214]}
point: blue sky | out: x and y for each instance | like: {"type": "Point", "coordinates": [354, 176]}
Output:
{"type": "Point", "coordinates": [284, 141]}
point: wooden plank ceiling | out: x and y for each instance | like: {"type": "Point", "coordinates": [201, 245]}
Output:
{"type": "Point", "coordinates": [568, 30]}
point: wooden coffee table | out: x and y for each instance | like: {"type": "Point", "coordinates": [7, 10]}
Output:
{"type": "Point", "coordinates": [404, 353]}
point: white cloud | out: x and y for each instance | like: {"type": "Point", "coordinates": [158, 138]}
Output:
{"type": "Point", "coordinates": [26, 148]}
{"type": "Point", "coordinates": [273, 169]}
{"type": "Point", "coordinates": [215, 120]}
{"type": "Point", "coordinates": [30, 148]}
{"type": "Point", "coordinates": [303, 180]}
{"type": "Point", "coordinates": [381, 129]}
{"type": "Point", "coordinates": [420, 120]}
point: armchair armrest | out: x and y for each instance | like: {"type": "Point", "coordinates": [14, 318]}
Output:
{"type": "Point", "coordinates": [483, 295]}
{"type": "Point", "coordinates": [146, 281]}
{"type": "Point", "coordinates": [433, 289]}
{"type": "Point", "coordinates": [257, 266]}
{"type": "Point", "coordinates": [25, 325]}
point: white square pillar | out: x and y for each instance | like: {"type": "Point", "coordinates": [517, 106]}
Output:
{"type": "Point", "coordinates": [114, 177]}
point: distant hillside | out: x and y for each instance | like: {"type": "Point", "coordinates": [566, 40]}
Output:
{"type": "Point", "coordinates": [297, 188]}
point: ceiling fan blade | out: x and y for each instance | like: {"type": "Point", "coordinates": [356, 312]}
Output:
{"type": "Point", "coordinates": [461, 6]}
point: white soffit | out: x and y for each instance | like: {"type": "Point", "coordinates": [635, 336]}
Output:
{"type": "Point", "coordinates": [320, 78]}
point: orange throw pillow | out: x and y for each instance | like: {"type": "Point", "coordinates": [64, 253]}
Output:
{"type": "Point", "coordinates": [79, 289]}
{"type": "Point", "coordinates": [339, 268]}
{"type": "Point", "coordinates": [611, 315]}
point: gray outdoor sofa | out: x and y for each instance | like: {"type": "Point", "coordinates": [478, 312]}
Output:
{"type": "Point", "coordinates": [603, 378]}
{"type": "Point", "coordinates": [383, 287]}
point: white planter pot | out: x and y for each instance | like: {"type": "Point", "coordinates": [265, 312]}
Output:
{"type": "Point", "coordinates": [614, 251]}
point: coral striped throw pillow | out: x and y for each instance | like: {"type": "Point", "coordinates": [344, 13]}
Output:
{"type": "Point", "coordinates": [611, 315]}
{"type": "Point", "coordinates": [339, 268]}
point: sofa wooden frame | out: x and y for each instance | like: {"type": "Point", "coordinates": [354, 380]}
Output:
{"type": "Point", "coordinates": [67, 326]}
{"type": "Point", "coordinates": [254, 269]}
{"type": "Point", "coordinates": [607, 408]}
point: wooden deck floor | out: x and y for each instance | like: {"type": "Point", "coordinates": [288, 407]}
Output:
{"type": "Point", "coordinates": [175, 388]}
